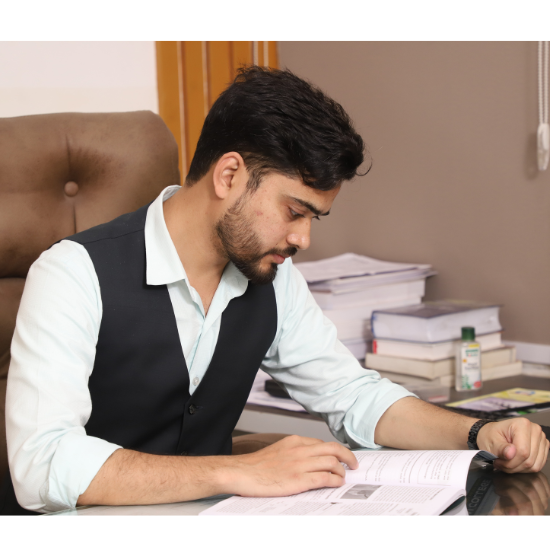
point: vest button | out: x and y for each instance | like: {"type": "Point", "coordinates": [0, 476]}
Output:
{"type": "Point", "coordinates": [192, 409]}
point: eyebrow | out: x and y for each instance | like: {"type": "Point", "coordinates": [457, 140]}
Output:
{"type": "Point", "coordinates": [309, 206]}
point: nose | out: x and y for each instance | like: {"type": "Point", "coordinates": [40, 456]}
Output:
{"type": "Point", "coordinates": [301, 238]}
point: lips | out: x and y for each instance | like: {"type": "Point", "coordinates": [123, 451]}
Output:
{"type": "Point", "coordinates": [278, 258]}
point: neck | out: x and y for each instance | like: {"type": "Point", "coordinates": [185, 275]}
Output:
{"type": "Point", "coordinates": [190, 222]}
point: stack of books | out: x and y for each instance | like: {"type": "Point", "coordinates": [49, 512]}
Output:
{"type": "Point", "coordinates": [416, 345]}
{"type": "Point", "coordinates": [350, 287]}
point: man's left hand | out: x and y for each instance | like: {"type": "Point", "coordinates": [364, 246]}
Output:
{"type": "Point", "coordinates": [520, 445]}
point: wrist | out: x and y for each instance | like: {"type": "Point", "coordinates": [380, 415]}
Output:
{"type": "Point", "coordinates": [228, 475]}
{"type": "Point", "coordinates": [463, 432]}
{"type": "Point", "coordinates": [475, 440]}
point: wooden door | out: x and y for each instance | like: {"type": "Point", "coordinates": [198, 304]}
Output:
{"type": "Point", "coordinates": [190, 77]}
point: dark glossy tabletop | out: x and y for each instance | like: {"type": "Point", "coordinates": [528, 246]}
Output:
{"type": "Point", "coordinates": [490, 492]}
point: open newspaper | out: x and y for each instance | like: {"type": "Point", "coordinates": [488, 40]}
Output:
{"type": "Point", "coordinates": [403, 483]}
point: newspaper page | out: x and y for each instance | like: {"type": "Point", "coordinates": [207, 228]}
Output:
{"type": "Point", "coordinates": [386, 483]}
{"type": "Point", "coordinates": [444, 468]}
{"type": "Point", "coordinates": [348, 500]}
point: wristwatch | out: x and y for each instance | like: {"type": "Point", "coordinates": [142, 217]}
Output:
{"type": "Point", "coordinates": [474, 430]}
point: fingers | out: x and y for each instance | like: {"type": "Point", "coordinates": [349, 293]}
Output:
{"type": "Point", "coordinates": [534, 449]}
{"type": "Point", "coordinates": [297, 441]}
{"type": "Point", "coordinates": [530, 445]}
{"type": "Point", "coordinates": [326, 464]}
{"type": "Point", "coordinates": [336, 450]}
{"type": "Point", "coordinates": [291, 466]}
{"type": "Point", "coordinates": [319, 480]}
{"type": "Point", "coordinates": [519, 434]}
{"type": "Point", "coordinates": [540, 461]}
{"type": "Point", "coordinates": [309, 446]}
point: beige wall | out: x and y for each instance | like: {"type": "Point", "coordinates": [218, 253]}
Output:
{"type": "Point", "coordinates": [51, 77]}
{"type": "Point", "coordinates": [451, 129]}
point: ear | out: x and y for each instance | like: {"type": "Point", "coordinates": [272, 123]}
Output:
{"type": "Point", "coordinates": [230, 175]}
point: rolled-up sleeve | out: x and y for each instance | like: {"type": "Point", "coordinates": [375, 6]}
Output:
{"type": "Point", "coordinates": [52, 460]}
{"type": "Point", "coordinates": [319, 372]}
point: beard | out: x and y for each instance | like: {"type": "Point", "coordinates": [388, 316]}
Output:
{"type": "Point", "coordinates": [241, 245]}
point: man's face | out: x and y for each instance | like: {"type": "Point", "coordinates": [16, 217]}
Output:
{"type": "Point", "coordinates": [270, 224]}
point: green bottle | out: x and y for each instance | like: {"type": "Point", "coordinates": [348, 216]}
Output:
{"type": "Point", "coordinates": [468, 361]}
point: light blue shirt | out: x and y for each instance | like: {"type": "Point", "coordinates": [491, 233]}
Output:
{"type": "Point", "coordinates": [52, 460]}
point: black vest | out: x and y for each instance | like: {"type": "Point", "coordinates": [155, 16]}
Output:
{"type": "Point", "coordinates": [140, 383]}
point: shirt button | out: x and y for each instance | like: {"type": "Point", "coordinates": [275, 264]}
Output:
{"type": "Point", "coordinates": [192, 409]}
{"type": "Point", "coordinates": [183, 453]}
{"type": "Point", "coordinates": [196, 381]}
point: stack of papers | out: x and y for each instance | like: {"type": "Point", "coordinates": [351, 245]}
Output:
{"type": "Point", "coordinates": [350, 287]}
{"type": "Point", "coordinates": [343, 271]}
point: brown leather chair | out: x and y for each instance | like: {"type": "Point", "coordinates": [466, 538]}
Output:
{"type": "Point", "coordinates": [63, 173]}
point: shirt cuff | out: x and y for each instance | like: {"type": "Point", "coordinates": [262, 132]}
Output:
{"type": "Point", "coordinates": [361, 419]}
{"type": "Point", "coordinates": [77, 460]}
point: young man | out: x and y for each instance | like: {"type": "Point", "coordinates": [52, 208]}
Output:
{"type": "Point", "coordinates": [137, 341]}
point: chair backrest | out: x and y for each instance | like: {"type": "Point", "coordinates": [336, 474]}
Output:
{"type": "Point", "coordinates": [61, 174]}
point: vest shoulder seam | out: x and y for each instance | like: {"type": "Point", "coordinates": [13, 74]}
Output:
{"type": "Point", "coordinates": [105, 238]}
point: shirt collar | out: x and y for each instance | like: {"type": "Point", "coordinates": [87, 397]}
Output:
{"type": "Point", "coordinates": [163, 263]}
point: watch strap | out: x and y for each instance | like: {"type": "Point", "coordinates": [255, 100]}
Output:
{"type": "Point", "coordinates": [474, 430]}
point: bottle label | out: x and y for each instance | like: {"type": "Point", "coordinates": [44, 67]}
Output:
{"type": "Point", "coordinates": [469, 377]}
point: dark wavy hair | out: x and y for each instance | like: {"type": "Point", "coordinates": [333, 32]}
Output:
{"type": "Point", "coordinates": [279, 123]}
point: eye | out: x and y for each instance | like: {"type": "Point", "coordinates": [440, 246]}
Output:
{"type": "Point", "coordinates": [295, 214]}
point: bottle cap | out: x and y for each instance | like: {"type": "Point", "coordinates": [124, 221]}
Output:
{"type": "Point", "coordinates": [468, 333]}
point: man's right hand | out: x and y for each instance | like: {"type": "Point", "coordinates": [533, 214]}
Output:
{"type": "Point", "coordinates": [290, 466]}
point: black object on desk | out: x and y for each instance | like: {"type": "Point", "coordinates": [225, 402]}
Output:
{"type": "Point", "coordinates": [275, 389]}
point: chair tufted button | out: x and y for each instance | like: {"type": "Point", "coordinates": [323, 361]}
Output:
{"type": "Point", "coordinates": [71, 188]}
{"type": "Point", "coordinates": [192, 409]}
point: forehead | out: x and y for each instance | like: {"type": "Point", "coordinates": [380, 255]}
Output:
{"type": "Point", "coordinates": [278, 186]}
